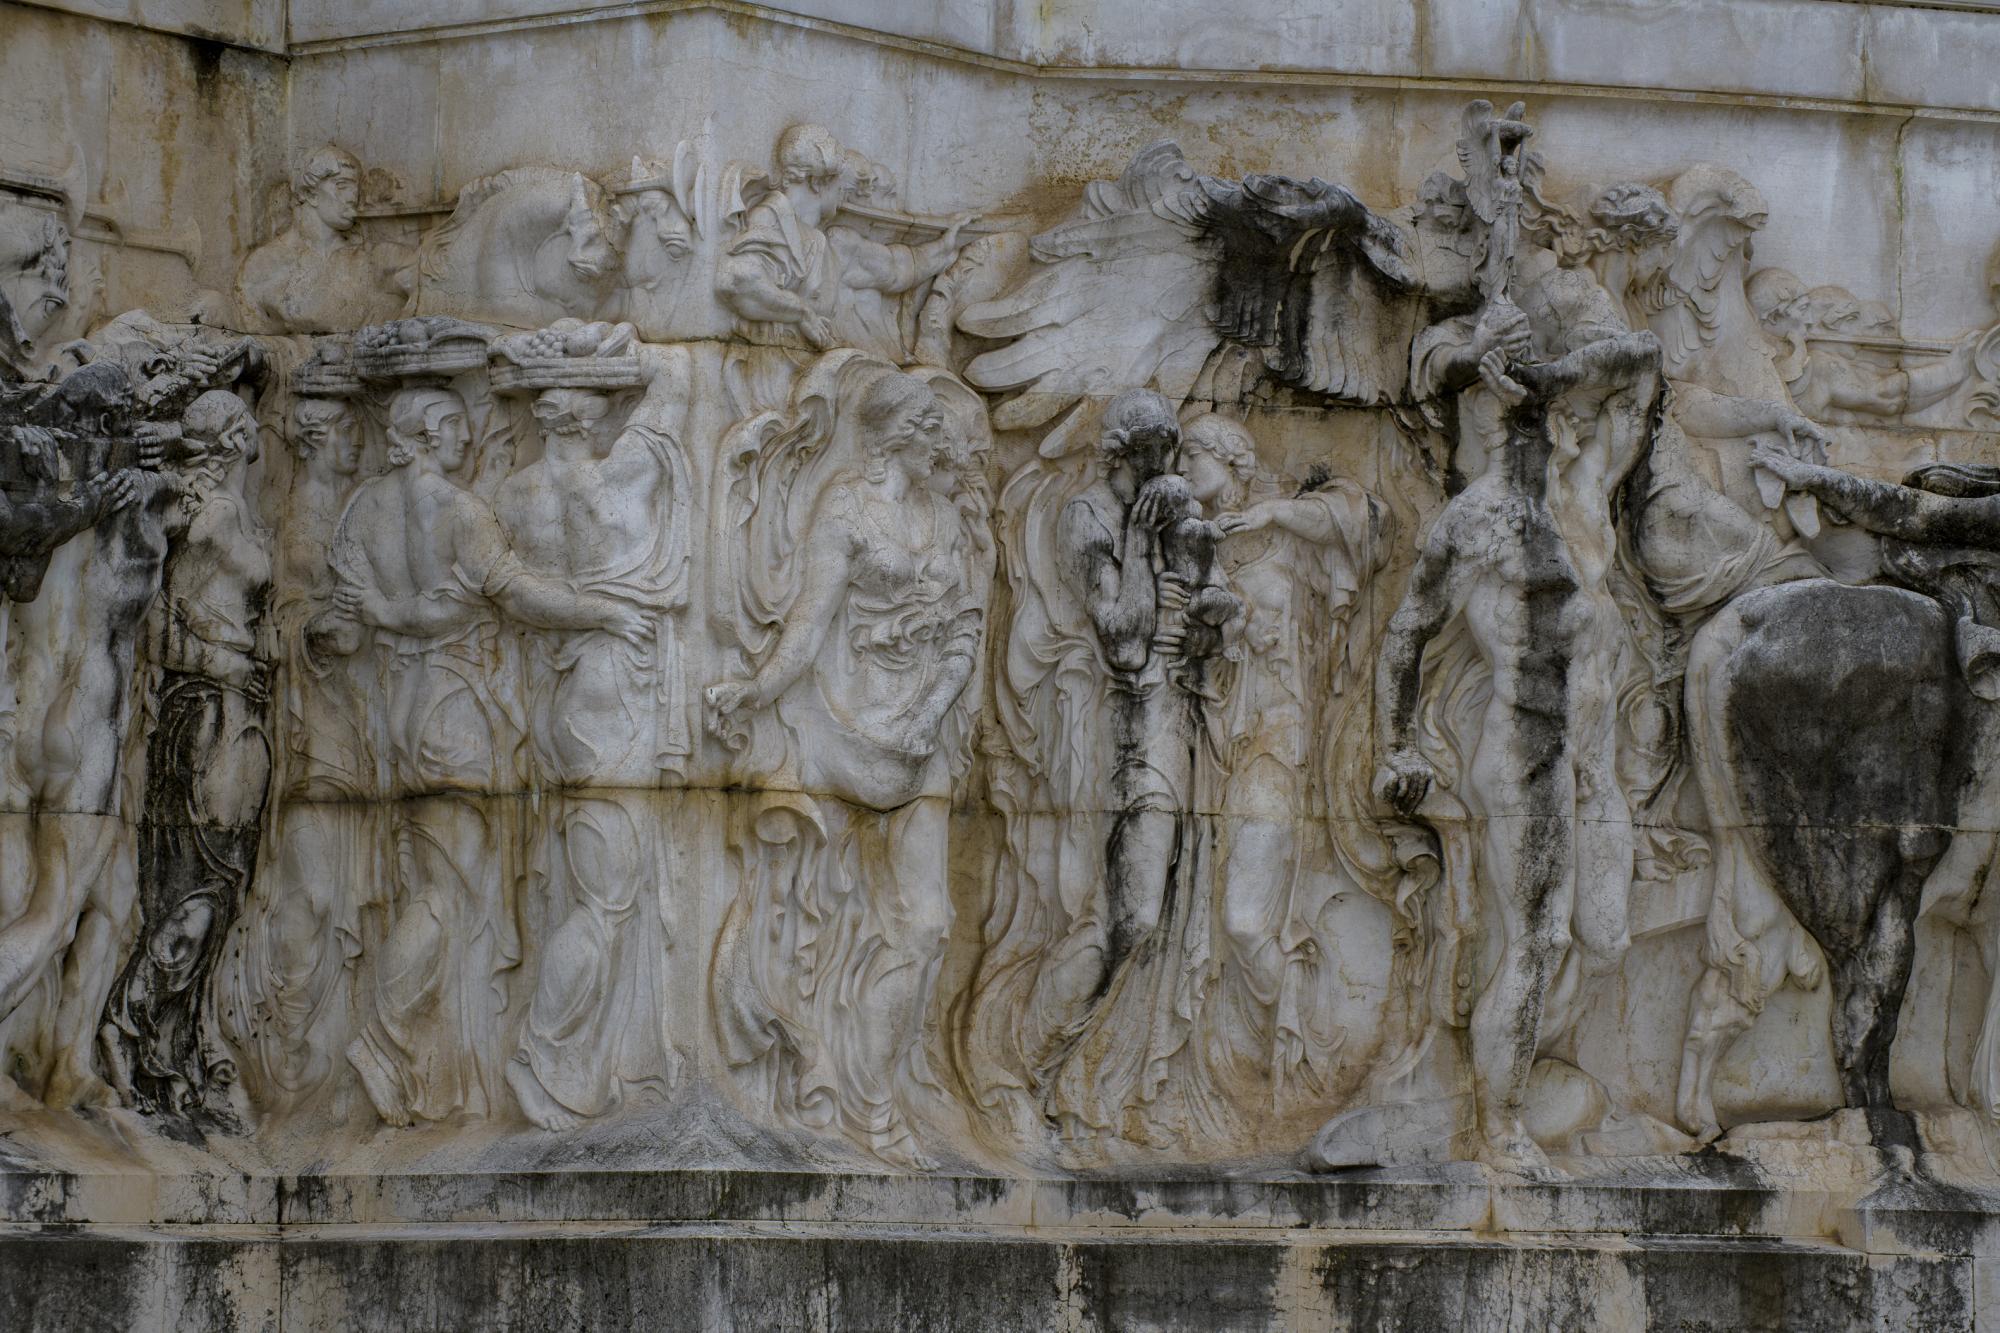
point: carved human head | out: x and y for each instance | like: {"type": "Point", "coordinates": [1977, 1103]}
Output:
{"type": "Point", "coordinates": [34, 266]}
{"type": "Point", "coordinates": [428, 421]}
{"type": "Point", "coordinates": [328, 184]}
{"type": "Point", "coordinates": [1141, 432]}
{"type": "Point", "coordinates": [1218, 457]}
{"type": "Point", "coordinates": [218, 430]}
{"type": "Point", "coordinates": [810, 158]}
{"type": "Point", "coordinates": [324, 428]}
{"type": "Point", "coordinates": [1776, 295]}
{"type": "Point", "coordinates": [867, 181]}
{"type": "Point", "coordinates": [901, 424]}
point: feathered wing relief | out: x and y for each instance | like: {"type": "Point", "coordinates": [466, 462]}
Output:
{"type": "Point", "coordinates": [1164, 265]}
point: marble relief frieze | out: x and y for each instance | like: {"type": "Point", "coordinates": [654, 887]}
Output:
{"type": "Point", "coordinates": [1228, 673]}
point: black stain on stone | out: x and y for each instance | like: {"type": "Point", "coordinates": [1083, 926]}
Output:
{"type": "Point", "coordinates": [1845, 728]}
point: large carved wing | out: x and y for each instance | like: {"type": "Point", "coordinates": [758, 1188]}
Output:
{"type": "Point", "coordinates": [1118, 298]}
{"type": "Point", "coordinates": [1162, 265]}
{"type": "Point", "coordinates": [1307, 274]}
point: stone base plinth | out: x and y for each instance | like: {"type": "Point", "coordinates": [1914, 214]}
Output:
{"type": "Point", "coordinates": [1700, 1246]}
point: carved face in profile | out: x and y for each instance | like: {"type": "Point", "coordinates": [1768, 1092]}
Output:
{"type": "Point", "coordinates": [38, 288]}
{"type": "Point", "coordinates": [428, 422]}
{"type": "Point", "coordinates": [448, 436]}
{"type": "Point", "coordinates": [335, 199]}
{"type": "Point", "coordinates": [1216, 455]}
{"type": "Point", "coordinates": [1209, 478]}
{"type": "Point", "coordinates": [325, 430]}
{"type": "Point", "coordinates": [902, 425]}
{"type": "Point", "coordinates": [917, 436]}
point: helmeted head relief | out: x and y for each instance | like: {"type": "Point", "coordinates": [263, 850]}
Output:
{"type": "Point", "coordinates": [414, 414]}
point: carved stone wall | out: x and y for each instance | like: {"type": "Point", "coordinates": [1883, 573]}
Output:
{"type": "Point", "coordinates": [991, 638]}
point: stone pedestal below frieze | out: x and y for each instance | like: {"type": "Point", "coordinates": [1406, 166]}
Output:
{"type": "Point", "coordinates": [1716, 1242]}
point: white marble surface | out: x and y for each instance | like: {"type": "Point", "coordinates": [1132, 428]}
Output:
{"type": "Point", "coordinates": [656, 682]}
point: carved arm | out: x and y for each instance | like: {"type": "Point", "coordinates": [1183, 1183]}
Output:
{"type": "Point", "coordinates": [1120, 598]}
{"type": "Point", "coordinates": [1894, 511]}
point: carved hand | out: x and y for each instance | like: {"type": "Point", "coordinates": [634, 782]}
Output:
{"type": "Point", "coordinates": [818, 330]}
{"type": "Point", "coordinates": [336, 631]}
{"type": "Point", "coordinates": [1493, 373]}
{"type": "Point", "coordinates": [623, 619]}
{"type": "Point", "coordinates": [111, 493]}
{"type": "Point", "coordinates": [1256, 517]}
{"type": "Point", "coordinates": [363, 605]}
{"type": "Point", "coordinates": [1503, 327]}
{"type": "Point", "coordinates": [1404, 779]}
{"type": "Point", "coordinates": [1805, 438]}
{"type": "Point", "coordinates": [153, 437]}
{"type": "Point", "coordinates": [1783, 464]}
{"type": "Point", "coordinates": [727, 697]}
{"type": "Point", "coordinates": [950, 238]}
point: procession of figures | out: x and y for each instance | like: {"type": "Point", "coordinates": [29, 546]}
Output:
{"type": "Point", "coordinates": [1229, 674]}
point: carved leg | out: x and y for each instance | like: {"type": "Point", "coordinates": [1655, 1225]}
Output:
{"type": "Point", "coordinates": [1605, 848]}
{"type": "Point", "coordinates": [1530, 864]}
{"type": "Point", "coordinates": [1868, 987]}
{"type": "Point", "coordinates": [1140, 855]}
{"type": "Point", "coordinates": [915, 906]}
{"type": "Point", "coordinates": [88, 975]}
{"type": "Point", "coordinates": [1715, 1019]}
{"type": "Point", "coordinates": [70, 854]}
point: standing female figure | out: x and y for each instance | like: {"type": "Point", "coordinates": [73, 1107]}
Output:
{"type": "Point", "coordinates": [863, 639]}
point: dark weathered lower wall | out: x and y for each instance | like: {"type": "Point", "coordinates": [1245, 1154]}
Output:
{"type": "Point", "coordinates": [775, 1252]}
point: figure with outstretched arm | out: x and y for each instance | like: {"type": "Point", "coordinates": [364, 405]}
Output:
{"type": "Point", "coordinates": [1891, 510]}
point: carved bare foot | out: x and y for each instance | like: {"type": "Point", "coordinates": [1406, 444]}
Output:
{"type": "Point", "coordinates": [545, 1111]}
{"type": "Point", "coordinates": [73, 1085]}
{"type": "Point", "coordinates": [375, 1081]}
{"type": "Point", "coordinates": [1509, 1148]}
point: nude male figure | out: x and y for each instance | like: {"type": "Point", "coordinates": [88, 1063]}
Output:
{"type": "Point", "coordinates": [1497, 556]}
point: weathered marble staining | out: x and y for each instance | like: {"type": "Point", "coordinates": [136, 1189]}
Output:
{"type": "Point", "coordinates": [1226, 675]}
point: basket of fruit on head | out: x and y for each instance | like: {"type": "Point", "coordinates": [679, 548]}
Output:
{"type": "Point", "coordinates": [425, 345]}
{"type": "Point", "coordinates": [329, 373]}
{"type": "Point", "coordinates": [568, 354]}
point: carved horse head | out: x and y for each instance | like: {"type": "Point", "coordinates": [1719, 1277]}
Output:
{"type": "Point", "coordinates": [527, 246]}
